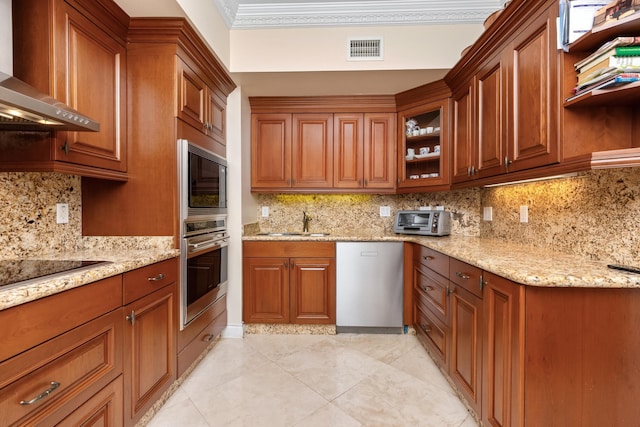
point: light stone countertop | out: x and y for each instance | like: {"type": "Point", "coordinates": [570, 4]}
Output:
{"type": "Point", "coordinates": [122, 260]}
{"type": "Point", "coordinates": [519, 263]}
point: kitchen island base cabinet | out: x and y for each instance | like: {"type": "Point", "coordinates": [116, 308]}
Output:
{"type": "Point", "coordinates": [297, 284]}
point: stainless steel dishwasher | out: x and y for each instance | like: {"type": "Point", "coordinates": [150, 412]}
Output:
{"type": "Point", "coordinates": [369, 287]}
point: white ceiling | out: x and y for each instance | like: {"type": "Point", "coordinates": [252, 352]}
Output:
{"type": "Point", "coordinates": [273, 14]}
{"type": "Point", "coordinates": [293, 13]}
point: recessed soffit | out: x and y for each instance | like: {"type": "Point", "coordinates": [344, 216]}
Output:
{"type": "Point", "coordinates": [254, 14]}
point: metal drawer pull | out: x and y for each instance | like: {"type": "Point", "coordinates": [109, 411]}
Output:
{"type": "Point", "coordinates": [463, 275]}
{"type": "Point", "coordinates": [54, 385]}
{"type": "Point", "coordinates": [426, 328]}
{"type": "Point", "coordinates": [428, 258]}
{"type": "Point", "coordinates": [157, 278]}
{"type": "Point", "coordinates": [207, 338]}
{"type": "Point", "coordinates": [132, 317]}
{"type": "Point", "coordinates": [427, 288]}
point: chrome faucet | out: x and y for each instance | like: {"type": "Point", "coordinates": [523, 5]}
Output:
{"type": "Point", "coordinates": [305, 222]}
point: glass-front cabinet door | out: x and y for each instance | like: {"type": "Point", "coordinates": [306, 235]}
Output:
{"type": "Point", "coordinates": [423, 160]}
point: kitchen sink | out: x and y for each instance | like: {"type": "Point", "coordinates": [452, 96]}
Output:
{"type": "Point", "coordinates": [285, 234]}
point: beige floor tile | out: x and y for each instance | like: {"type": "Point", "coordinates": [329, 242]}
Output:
{"type": "Point", "coordinates": [310, 380]}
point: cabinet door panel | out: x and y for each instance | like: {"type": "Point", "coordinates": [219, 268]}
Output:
{"type": "Point", "coordinates": [379, 150]}
{"type": "Point", "coordinates": [191, 96]}
{"type": "Point", "coordinates": [491, 148]}
{"type": "Point", "coordinates": [433, 334]}
{"type": "Point", "coordinates": [312, 165]}
{"type": "Point", "coordinates": [348, 138]}
{"type": "Point", "coordinates": [90, 77]}
{"type": "Point", "coordinates": [501, 353]}
{"type": "Point", "coordinates": [466, 344]}
{"type": "Point", "coordinates": [533, 96]}
{"type": "Point", "coordinates": [271, 150]}
{"type": "Point", "coordinates": [463, 141]}
{"type": "Point", "coordinates": [313, 295]}
{"type": "Point", "coordinates": [150, 350]}
{"type": "Point", "coordinates": [266, 290]}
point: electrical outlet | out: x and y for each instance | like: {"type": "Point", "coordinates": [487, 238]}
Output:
{"type": "Point", "coordinates": [265, 211]}
{"type": "Point", "coordinates": [62, 213]}
{"type": "Point", "coordinates": [487, 213]}
{"type": "Point", "coordinates": [524, 213]}
{"type": "Point", "coordinates": [385, 211]}
{"type": "Point", "coordinates": [439, 208]}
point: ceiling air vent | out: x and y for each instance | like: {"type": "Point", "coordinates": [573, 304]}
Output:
{"type": "Point", "coordinates": [365, 49]}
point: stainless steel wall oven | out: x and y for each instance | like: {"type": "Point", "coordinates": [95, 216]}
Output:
{"type": "Point", "coordinates": [203, 218]}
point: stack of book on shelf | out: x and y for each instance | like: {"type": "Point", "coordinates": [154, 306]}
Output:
{"type": "Point", "coordinates": [614, 63]}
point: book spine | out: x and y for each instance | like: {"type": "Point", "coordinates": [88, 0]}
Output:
{"type": "Point", "coordinates": [627, 50]}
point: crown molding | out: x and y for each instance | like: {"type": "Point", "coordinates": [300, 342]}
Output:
{"type": "Point", "coordinates": [247, 14]}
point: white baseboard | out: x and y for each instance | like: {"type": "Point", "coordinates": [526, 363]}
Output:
{"type": "Point", "coordinates": [233, 331]}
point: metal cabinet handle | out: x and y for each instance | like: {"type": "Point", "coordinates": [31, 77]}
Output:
{"type": "Point", "coordinates": [131, 317]}
{"type": "Point", "coordinates": [464, 276]}
{"type": "Point", "coordinates": [425, 327]}
{"type": "Point", "coordinates": [207, 338]}
{"type": "Point", "coordinates": [65, 147]}
{"type": "Point", "coordinates": [450, 290]}
{"type": "Point", "coordinates": [157, 278]}
{"type": "Point", "coordinates": [52, 387]}
{"type": "Point", "coordinates": [507, 162]}
{"type": "Point", "coordinates": [427, 288]}
{"type": "Point", "coordinates": [428, 258]}
{"type": "Point", "coordinates": [483, 283]}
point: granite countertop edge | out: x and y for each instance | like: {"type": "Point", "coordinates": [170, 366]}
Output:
{"type": "Point", "coordinates": [121, 262]}
{"type": "Point", "coordinates": [519, 263]}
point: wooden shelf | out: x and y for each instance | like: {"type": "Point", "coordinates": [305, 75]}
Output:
{"type": "Point", "coordinates": [419, 138]}
{"type": "Point", "coordinates": [424, 159]}
{"type": "Point", "coordinates": [592, 40]}
{"type": "Point", "coordinates": [621, 95]}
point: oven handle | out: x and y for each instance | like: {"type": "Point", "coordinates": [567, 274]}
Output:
{"type": "Point", "coordinates": [206, 246]}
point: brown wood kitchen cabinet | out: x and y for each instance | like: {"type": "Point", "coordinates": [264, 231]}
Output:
{"type": "Point", "coordinates": [200, 103]}
{"type": "Point", "coordinates": [289, 282]}
{"type": "Point", "coordinates": [364, 150]}
{"type": "Point", "coordinates": [69, 344]}
{"type": "Point", "coordinates": [151, 305]}
{"type": "Point", "coordinates": [431, 307]}
{"type": "Point", "coordinates": [466, 330]}
{"type": "Point", "coordinates": [322, 144]}
{"type": "Point", "coordinates": [292, 150]}
{"type": "Point", "coordinates": [506, 105]}
{"type": "Point", "coordinates": [74, 50]}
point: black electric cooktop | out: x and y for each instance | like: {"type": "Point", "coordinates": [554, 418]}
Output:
{"type": "Point", "coordinates": [13, 272]}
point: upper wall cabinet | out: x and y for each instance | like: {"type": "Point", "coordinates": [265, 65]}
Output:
{"type": "Point", "coordinates": [74, 50]}
{"type": "Point", "coordinates": [505, 113]}
{"type": "Point", "coordinates": [423, 138]}
{"type": "Point", "coordinates": [330, 145]}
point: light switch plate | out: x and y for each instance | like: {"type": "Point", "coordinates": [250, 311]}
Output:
{"type": "Point", "coordinates": [62, 213]}
{"type": "Point", "coordinates": [524, 213]}
{"type": "Point", "coordinates": [487, 213]}
{"type": "Point", "coordinates": [385, 211]}
{"type": "Point", "coordinates": [265, 211]}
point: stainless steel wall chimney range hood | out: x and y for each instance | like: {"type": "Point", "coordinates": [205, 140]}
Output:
{"type": "Point", "coordinates": [22, 107]}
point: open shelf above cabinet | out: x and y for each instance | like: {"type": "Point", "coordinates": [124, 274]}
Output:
{"type": "Point", "coordinates": [621, 95]}
{"type": "Point", "coordinates": [592, 40]}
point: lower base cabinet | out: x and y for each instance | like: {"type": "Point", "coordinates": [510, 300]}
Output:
{"type": "Point", "coordinates": [534, 356]}
{"type": "Point", "coordinates": [96, 355]}
{"type": "Point", "coordinates": [289, 282]}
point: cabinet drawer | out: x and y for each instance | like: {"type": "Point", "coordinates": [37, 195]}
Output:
{"type": "Point", "coordinates": [289, 249]}
{"type": "Point", "coordinates": [432, 333]}
{"type": "Point", "coordinates": [434, 260]}
{"type": "Point", "coordinates": [466, 276]}
{"type": "Point", "coordinates": [27, 325]}
{"type": "Point", "coordinates": [214, 321]}
{"type": "Point", "coordinates": [142, 281]}
{"type": "Point", "coordinates": [431, 291]}
{"type": "Point", "coordinates": [71, 367]}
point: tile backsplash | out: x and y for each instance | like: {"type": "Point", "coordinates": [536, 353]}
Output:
{"type": "Point", "coordinates": [594, 214]}
{"type": "Point", "coordinates": [28, 224]}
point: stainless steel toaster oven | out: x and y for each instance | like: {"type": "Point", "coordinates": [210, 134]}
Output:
{"type": "Point", "coordinates": [423, 222]}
